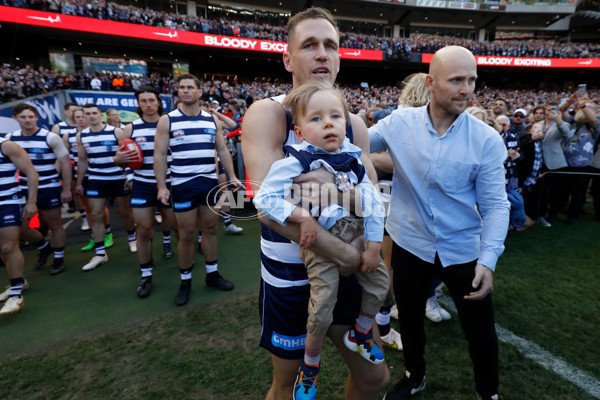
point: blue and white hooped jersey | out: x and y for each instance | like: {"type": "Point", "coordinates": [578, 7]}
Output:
{"type": "Point", "coordinates": [101, 148]}
{"type": "Point", "coordinates": [73, 148]}
{"type": "Point", "coordinates": [66, 129]}
{"type": "Point", "coordinates": [281, 265]}
{"type": "Point", "coordinates": [192, 145]}
{"type": "Point", "coordinates": [10, 191]}
{"type": "Point", "coordinates": [142, 133]}
{"type": "Point", "coordinates": [41, 154]}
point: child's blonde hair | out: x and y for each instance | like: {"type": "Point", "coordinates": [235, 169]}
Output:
{"type": "Point", "coordinates": [297, 100]}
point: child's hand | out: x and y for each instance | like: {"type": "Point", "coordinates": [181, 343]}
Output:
{"type": "Point", "coordinates": [370, 257]}
{"type": "Point", "coordinates": [308, 232]}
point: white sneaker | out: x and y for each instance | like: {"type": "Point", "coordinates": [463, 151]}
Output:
{"type": "Point", "coordinates": [133, 246]}
{"type": "Point", "coordinates": [542, 222]}
{"type": "Point", "coordinates": [4, 295]}
{"type": "Point", "coordinates": [394, 312]}
{"type": "Point", "coordinates": [84, 225]}
{"type": "Point", "coordinates": [392, 340]}
{"type": "Point", "coordinates": [445, 314]}
{"type": "Point", "coordinates": [432, 310]}
{"type": "Point", "coordinates": [12, 305]}
{"type": "Point", "coordinates": [94, 262]}
{"type": "Point", "coordinates": [233, 228]}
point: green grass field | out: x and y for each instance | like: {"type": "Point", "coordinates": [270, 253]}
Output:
{"type": "Point", "coordinates": [88, 336]}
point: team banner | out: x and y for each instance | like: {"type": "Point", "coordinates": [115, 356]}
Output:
{"type": "Point", "coordinates": [529, 62]}
{"type": "Point", "coordinates": [48, 108]}
{"type": "Point", "coordinates": [125, 103]}
{"type": "Point", "coordinates": [83, 24]}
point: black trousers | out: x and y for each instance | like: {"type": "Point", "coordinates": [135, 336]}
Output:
{"type": "Point", "coordinates": [412, 278]}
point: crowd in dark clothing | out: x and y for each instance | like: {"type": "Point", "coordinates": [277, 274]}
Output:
{"type": "Point", "coordinates": [416, 43]}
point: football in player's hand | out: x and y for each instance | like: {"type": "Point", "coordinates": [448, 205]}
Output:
{"type": "Point", "coordinates": [128, 144]}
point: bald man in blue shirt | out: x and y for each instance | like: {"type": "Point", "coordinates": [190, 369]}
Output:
{"type": "Point", "coordinates": [449, 216]}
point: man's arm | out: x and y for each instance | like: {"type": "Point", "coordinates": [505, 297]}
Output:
{"type": "Point", "coordinates": [82, 165]}
{"type": "Point", "coordinates": [225, 157]}
{"type": "Point", "coordinates": [64, 164]}
{"type": "Point", "coordinates": [56, 129]}
{"type": "Point", "coordinates": [382, 161]}
{"type": "Point", "coordinates": [361, 139]}
{"type": "Point", "coordinates": [494, 209]}
{"type": "Point", "coordinates": [227, 122]}
{"type": "Point", "coordinates": [161, 146]}
{"type": "Point", "coordinates": [121, 157]}
{"type": "Point", "coordinates": [264, 128]}
{"type": "Point", "coordinates": [19, 157]}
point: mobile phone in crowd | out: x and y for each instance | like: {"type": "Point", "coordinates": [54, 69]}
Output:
{"type": "Point", "coordinates": [581, 89]}
{"type": "Point", "coordinates": [554, 109]}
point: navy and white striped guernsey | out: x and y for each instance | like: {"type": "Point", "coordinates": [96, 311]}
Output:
{"type": "Point", "coordinates": [41, 154]}
{"type": "Point", "coordinates": [192, 145]}
{"type": "Point", "coordinates": [281, 265]}
{"type": "Point", "coordinates": [101, 148]}
{"type": "Point", "coordinates": [66, 129]}
{"type": "Point", "coordinates": [142, 132]}
{"type": "Point", "coordinates": [10, 191]}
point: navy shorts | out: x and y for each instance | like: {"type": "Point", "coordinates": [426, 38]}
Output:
{"type": "Point", "coordinates": [47, 198]}
{"type": "Point", "coordinates": [143, 194]}
{"type": "Point", "coordinates": [103, 189]}
{"type": "Point", "coordinates": [284, 312]}
{"type": "Point", "coordinates": [199, 191]}
{"type": "Point", "coordinates": [11, 215]}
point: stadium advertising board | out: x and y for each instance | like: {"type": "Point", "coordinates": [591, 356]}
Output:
{"type": "Point", "coordinates": [47, 106]}
{"type": "Point", "coordinates": [83, 24]}
{"type": "Point", "coordinates": [529, 62]}
{"type": "Point", "coordinates": [121, 101]}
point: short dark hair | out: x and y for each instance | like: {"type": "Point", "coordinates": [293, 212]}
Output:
{"type": "Point", "coordinates": [92, 105]}
{"type": "Point", "coordinates": [192, 77]}
{"type": "Point", "coordinates": [19, 108]}
{"type": "Point", "coordinates": [66, 107]}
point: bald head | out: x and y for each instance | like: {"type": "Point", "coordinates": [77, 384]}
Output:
{"type": "Point", "coordinates": [451, 80]}
{"type": "Point", "coordinates": [446, 57]}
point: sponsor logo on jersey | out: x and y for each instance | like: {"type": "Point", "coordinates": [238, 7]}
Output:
{"type": "Point", "coordinates": [9, 217]}
{"type": "Point", "coordinates": [288, 342]}
{"type": "Point", "coordinates": [186, 204]}
{"type": "Point", "coordinates": [178, 133]}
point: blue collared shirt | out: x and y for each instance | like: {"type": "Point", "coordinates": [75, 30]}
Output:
{"type": "Point", "coordinates": [449, 196]}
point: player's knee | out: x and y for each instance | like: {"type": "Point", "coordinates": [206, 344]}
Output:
{"type": "Point", "coordinates": [7, 247]}
{"type": "Point", "coordinates": [374, 381]}
{"type": "Point", "coordinates": [144, 231]}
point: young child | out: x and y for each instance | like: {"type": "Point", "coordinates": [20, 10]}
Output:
{"type": "Point", "coordinates": [319, 117]}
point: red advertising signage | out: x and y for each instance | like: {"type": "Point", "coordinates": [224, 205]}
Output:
{"type": "Point", "coordinates": [83, 24]}
{"type": "Point", "coordinates": [530, 62]}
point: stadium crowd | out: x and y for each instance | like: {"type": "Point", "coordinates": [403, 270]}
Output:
{"type": "Point", "coordinates": [174, 162]}
{"type": "Point", "coordinates": [20, 82]}
{"type": "Point", "coordinates": [404, 46]}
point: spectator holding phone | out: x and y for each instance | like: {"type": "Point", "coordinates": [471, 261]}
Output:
{"type": "Point", "coordinates": [579, 151]}
{"type": "Point", "coordinates": [554, 159]}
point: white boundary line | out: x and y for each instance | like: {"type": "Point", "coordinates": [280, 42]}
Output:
{"type": "Point", "coordinates": [542, 357]}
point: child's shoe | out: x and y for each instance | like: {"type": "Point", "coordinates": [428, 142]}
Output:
{"type": "Point", "coordinates": [305, 387]}
{"type": "Point", "coordinates": [363, 343]}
